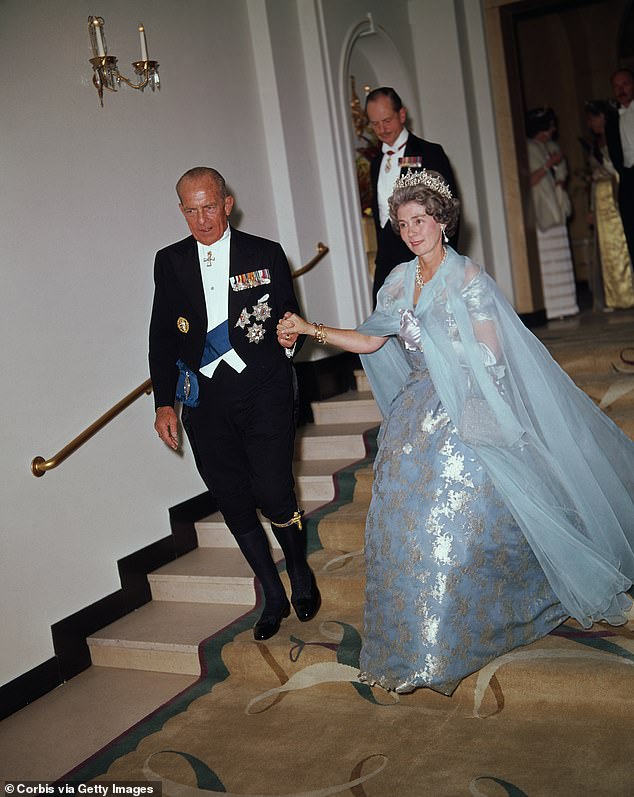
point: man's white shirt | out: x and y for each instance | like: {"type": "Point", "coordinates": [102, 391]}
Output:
{"type": "Point", "coordinates": [626, 129]}
{"type": "Point", "coordinates": [388, 177]}
{"type": "Point", "coordinates": [214, 270]}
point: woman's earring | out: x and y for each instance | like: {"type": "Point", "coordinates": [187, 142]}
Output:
{"type": "Point", "coordinates": [444, 236]}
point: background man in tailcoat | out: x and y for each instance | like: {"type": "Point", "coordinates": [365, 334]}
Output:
{"type": "Point", "coordinates": [619, 133]}
{"type": "Point", "coordinates": [401, 149]}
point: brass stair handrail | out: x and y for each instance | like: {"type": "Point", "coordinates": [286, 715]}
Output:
{"type": "Point", "coordinates": [322, 250]}
{"type": "Point", "coordinates": [39, 465]}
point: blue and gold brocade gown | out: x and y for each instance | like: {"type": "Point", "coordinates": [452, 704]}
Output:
{"type": "Point", "coordinates": [451, 581]}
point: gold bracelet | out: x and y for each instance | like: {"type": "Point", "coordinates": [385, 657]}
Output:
{"type": "Point", "coordinates": [320, 335]}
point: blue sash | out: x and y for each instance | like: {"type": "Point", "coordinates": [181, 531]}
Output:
{"type": "Point", "coordinates": [216, 344]}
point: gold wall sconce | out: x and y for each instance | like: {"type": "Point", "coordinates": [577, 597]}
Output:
{"type": "Point", "coordinates": [106, 73]}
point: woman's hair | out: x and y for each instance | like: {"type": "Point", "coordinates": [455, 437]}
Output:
{"type": "Point", "coordinates": [539, 119]}
{"type": "Point", "coordinates": [444, 209]}
{"type": "Point", "coordinates": [596, 108]}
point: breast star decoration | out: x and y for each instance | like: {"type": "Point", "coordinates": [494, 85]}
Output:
{"type": "Point", "coordinates": [243, 320]}
{"type": "Point", "coordinates": [255, 333]}
{"type": "Point", "coordinates": [259, 312]}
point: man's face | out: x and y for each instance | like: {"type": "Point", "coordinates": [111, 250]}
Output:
{"type": "Point", "coordinates": [623, 87]}
{"type": "Point", "coordinates": [385, 121]}
{"type": "Point", "coordinates": [204, 209]}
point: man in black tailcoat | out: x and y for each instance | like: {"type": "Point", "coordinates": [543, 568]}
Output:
{"type": "Point", "coordinates": [619, 133]}
{"type": "Point", "coordinates": [400, 150]}
{"type": "Point", "coordinates": [213, 348]}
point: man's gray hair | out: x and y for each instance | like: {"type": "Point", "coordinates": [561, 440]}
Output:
{"type": "Point", "coordinates": [202, 171]}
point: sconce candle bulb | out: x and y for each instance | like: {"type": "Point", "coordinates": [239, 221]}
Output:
{"type": "Point", "coordinates": [100, 50]}
{"type": "Point", "coordinates": [143, 42]}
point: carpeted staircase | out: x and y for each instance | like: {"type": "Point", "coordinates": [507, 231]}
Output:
{"type": "Point", "coordinates": [209, 588]}
{"type": "Point", "coordinates": [288, 717]}
{"type": "Point", "coordinates": [204, 591]}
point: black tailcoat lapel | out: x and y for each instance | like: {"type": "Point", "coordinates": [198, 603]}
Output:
{"type": "Point", "coordinates": [187, 270]}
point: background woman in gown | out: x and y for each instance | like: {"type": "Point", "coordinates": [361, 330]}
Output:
{"type": "Point", "coordinates": [548, 174]}
{"type": "Point", "coordinates": [613, 285]}
{"type": "Point", "coordinates": [502, 500]}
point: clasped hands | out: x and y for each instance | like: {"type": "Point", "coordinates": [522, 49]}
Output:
{"type": "Point", "coordinates": [554, 159]}
{"type": "Point", "coordinates": [290, 327]}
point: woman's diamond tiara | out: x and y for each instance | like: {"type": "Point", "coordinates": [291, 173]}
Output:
{"type": "Point", "coordinates": [423, 177]}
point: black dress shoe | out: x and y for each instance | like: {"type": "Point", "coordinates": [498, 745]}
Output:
{"type": "Point", "coordinates": [269, 623]}
{"type": "Point", "coordinates": [307, 606]}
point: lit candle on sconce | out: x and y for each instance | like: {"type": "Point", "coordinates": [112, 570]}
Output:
{"type": "Point", "coordinates": [100, 48]}
{"type": "Point", "coordinates": [143, 42]}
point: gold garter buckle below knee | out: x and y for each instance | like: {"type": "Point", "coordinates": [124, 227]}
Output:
{"type": "Point", "coordinates": [295, 520]}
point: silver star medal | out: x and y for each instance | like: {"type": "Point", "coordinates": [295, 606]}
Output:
{"type": "Point", "coordinates": [255, 333]}
{"type": "Point", "coordinates": [243, 320]}
{"type": "Point", "coordinates": [261, 311]}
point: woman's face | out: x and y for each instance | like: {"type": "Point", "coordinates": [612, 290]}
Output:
{"type": "Point", "coordinates": [547, 135]}
{"type": "Point", "coordinates": [419, 231]}
{"type": "Point", "coordinates": [596, 123]}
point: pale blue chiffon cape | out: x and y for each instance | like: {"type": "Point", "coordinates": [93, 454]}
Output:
{"type": "Point", "coordinates": [565, 470]}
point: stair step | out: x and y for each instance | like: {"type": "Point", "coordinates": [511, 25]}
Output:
{"type": "Point", "coordinates": [361, 380]}
{"type": "Point", "coordinates": [344, 529]}
{"type": "Point", "coordinates": [212, 531]}
{"type": "Point", "coordinates": [351, 407]}
{"type": "Point", "coordinates": [205, 575]}
{"type": "Point", "coordinates": [363, 487]}
{"type": "Point", "coordinates": [314, 478]}
{"type": "Point", "coordinates": [162, 637]}
{"type": "Point", "coordinates": [332, 441]}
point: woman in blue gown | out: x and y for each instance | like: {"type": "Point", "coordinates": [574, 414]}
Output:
{"type": "Point", "coordinates": [502, 501]}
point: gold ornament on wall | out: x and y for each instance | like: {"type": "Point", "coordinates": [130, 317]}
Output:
{"type": "Point", "coordinates": [367, 146]}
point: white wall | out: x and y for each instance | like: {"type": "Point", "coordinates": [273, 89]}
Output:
{"type": "Point", "coordinates": [256, 88]}
{"type": "Point", "coordinates": [87, 198]}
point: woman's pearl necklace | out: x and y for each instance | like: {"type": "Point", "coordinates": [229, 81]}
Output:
{"type": "Point", "coordinates": [420, 280]}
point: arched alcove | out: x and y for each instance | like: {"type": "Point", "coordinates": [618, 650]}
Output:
{"type": "Point", "coordinates": [375, 61]}
{"type": "Point", "coordinates": [370, 59]}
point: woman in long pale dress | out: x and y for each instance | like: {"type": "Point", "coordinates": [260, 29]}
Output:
{"type": "Point", "coordinates": [548, 174]}
{"type": "Point", "coordinates": [503, 498]}
{"type": "Point", "coordinates": [614, 284]}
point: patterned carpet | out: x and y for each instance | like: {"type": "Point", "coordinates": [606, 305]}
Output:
{"type": "Point", "coordinates": [288, 717]}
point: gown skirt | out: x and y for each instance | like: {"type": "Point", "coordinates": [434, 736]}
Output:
{"type": "Point", "coordinates": [616, 266]}
{"type": "Point", "coordinates": [558, 275]}
{"type": "Point", "coordinates": [451, 581]}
